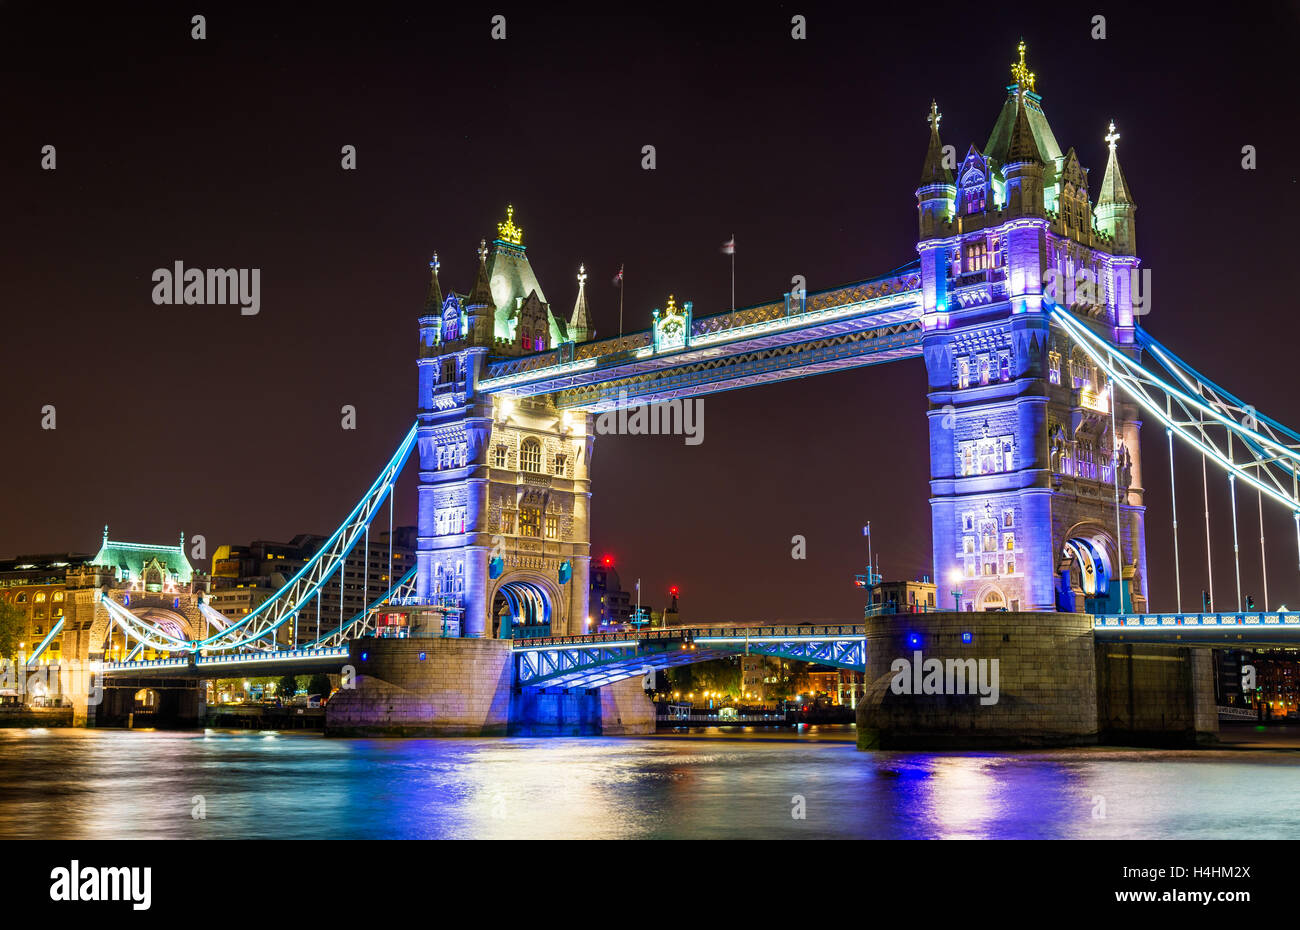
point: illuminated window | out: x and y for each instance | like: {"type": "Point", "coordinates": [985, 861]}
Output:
{"type": "Point", "coordinates": [1004, 368]}
{"type": "Point", "coordinates": [507, 521]}
{"type": "Point", "coordinates": [58, 596]}
{"type": "Point", "coordinates": [963, 372]}
{"type": "Point", "coordinates": [1008, 518]}
{"type": "Point", "coordinates": [1009, 541]}
{"type": "Point", "coordinates": [530, 522]}
{"type": "Point", "coordinates": [977, 253]}
{"type": "Point", "coordinates": [552, 526]}
{"type": "Point", "coordinates": [530, 455]}
{"type": "Point", "coordinates": [1054, 367]}
{"type": "Point", "coordinates": [40, 598]}
{"type": "Point", "coordinates": [525, 337]}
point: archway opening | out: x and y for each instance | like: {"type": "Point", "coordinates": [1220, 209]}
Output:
{"type": "Point", "coordinates": [993, 600]}
{"type": "Point", "coordinates": [1088, 558]}
{"type": "Point", "coordinates": [521, 610]}
{"type": "Point", "coordinates": [146, 699]}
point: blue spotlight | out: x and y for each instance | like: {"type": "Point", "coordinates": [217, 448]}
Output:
{"type": "Point", "coordinates": [967, 638]}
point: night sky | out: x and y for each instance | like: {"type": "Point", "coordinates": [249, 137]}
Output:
{"type": "Point", "coordinates": [226, 153]}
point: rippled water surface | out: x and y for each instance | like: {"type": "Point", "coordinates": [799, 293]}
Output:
{"type": "Point", "coordinates": [111, 783]}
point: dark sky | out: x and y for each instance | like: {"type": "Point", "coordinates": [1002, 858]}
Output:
{"type": "Point", "coordinates": [225, 153]}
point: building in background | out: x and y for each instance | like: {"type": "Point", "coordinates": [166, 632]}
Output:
{"type": "Point", "coordinates": [36, 585]}
{"type": "Point", "coordinates": [246, 576]}
{"type": "Point", "coordinates": [610, 604]}
{"type": "Point", "coordinates": [903, 596]}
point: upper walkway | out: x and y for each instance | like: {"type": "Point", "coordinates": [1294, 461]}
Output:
{"type": "Point", "coordinates": [859, 324]}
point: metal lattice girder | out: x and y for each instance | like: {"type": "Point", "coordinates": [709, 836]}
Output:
{"type": "Point", "coordinates": [1237, 629]}
{"type": "Point", "coordinates": [1248, 446]}
{"type": "Point", "coordinates": [273, 613]}
{"type": "Point", "coordinates": [599, 659]}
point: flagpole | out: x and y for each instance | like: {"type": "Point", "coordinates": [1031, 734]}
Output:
{"type": "Point", "coordinates": [620, 300]}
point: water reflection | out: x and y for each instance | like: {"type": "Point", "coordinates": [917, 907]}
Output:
{"type": "Point", "coordinates": [85, 783]}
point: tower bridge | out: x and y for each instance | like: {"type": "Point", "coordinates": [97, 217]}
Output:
{"type": "Point", "coordinates": [1020, 303]}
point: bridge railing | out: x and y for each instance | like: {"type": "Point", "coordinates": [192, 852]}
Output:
{"type": "Point", "coordinates": [662, 634]}
{"type": "Point", "coordinates": [1203, 621]}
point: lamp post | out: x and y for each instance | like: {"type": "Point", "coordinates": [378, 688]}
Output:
{"type": "Point", "coordinates": [955, 578]}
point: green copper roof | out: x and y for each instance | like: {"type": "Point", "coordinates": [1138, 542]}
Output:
{"type": "Point", "coordinates": [1000, 139]}
{"type": "Point", "coordinates": [132, 557]}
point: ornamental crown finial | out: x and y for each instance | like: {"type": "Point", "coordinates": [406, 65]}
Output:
{"type": "Point", "coordinates": [434, 264]}
{"type": "Point", "coordinates": [1112, 136]}
{"type": "Point", "coordinates": [582, 275]}
{"type": "Point", "coordinates": [1020, 72]}
{"type": "Point", "coordinates": [508, 231]}
{"type": "Point", "coordinates": [482, 251]}
{"type": "Point", "coordinates": [935, 115]}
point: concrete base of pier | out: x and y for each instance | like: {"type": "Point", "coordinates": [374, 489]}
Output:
{"type": "Point", "coordinates": [1013, 680]}
{"type": "Point", "coordinates": [464, 687]}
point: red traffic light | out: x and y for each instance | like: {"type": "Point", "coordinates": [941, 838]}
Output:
{"type": "Point", "coordinates": [673, 590]}
{"type": "Point", "coordinates": [608, 561]}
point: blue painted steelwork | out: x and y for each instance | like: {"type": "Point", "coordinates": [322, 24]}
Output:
{"type": "Point", "coordinates": [1234, 628]}
{"type": "Point", "coordinates": [215, 663]}
{"type": "Point", "coordinates": [44, 644]}
{"type": "Point", "coordinates": [601, 658]}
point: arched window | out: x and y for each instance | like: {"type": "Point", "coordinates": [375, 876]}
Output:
{"type": "Point", "coordinates": [40, 598]}
{"type": "Point", "coordinates": [530, 455]}
{"type": "Point", "coordinates": [524, 337]}
{"type": "Point", "coordinates": [499, 455]}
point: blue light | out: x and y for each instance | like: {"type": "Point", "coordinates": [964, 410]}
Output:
{"type": "Point", "coordinates": [422, 657]}
{"type": "Point", "coordinates": [966, 638]}
{"type": "Point", "coordinates": [914, 639]}
{"type": "Point", "coordinates": [364, 656]}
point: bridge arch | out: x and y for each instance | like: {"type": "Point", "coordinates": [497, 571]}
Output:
{"type": "Point", "coordinates": [1088, 553]}
{"type": "Point", "coordinates": [524, 599]}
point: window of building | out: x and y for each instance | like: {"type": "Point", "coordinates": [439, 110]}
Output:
{"type": "Point", "coordinates": [40, 597]}
{"type": "Point", "coordinates": [58, 596]}
{"type": "Point", "coordinates": [977, 253]}
{"type": "Point", "coordinates": [1009, 541]}
{"type": "Point", "coordinates": [552, 526]}
{"type": "Point", "coordinates": [499, 455]}
{"type": "Point", "coordinates": [525, 337]}
{"type": "Point", "coordinates": [561, 463]}
{"type": "Point", "coordinates": [963, 372]}
{"type": "Point", "coordinates": [1008, 518]}
{"type": "Point", "coordinates": [530, 522]}
{"type": "Point", "coordinates": [1054, 367]}
{"type": "Point", "coordinates": [530, 455]}
{"type": "Point", "coordinates": [507, 521]}
{"type": "Point", "coordinates": [1004, 368]}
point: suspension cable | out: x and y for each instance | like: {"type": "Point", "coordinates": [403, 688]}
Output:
{"type": "Point", "coordinates": [1114, 477]}
{"type": "Point", "coordinates": [1209, 553]}
{"type": "Point", "coordinates": [1173, 504]}
{"type": "Point", "coordinates": [1236, 557]}
{"type": "Point", "coordinates": [1263, 563]}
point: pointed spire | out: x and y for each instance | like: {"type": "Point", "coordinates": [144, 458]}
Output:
{"type": "Point", "coordinates": [1022, 146]}
{"type": "Point", "coordinates": [934, 172]}
{"type": "Point", "coordinates": [579, 322]}
{"type": "Point", "coordinates": [481, 295]}
{"type": "Point", "coordinates": [1114, 189]}
{"type": "Point", "coordinates": [433, 303]}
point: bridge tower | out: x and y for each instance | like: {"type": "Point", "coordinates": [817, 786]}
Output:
{"type": "Point", "coordinates": [1026, 513]}
{"type": "Point", "coordinates": [504, 489]}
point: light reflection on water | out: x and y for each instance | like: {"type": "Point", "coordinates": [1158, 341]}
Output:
{"type": "Point", "coordinates": [119, 784]}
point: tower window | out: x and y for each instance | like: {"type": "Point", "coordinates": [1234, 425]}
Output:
{"type": "Point", "coordinates": [530, 456]}
{"type": "Point", "coordinates": [499, 455]}
{"type": "Point", "coordinates": [530, 522]}
{"type": "Point", "coordinates": [561, 463]}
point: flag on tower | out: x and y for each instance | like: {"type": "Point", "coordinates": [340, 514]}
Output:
{"type": "Point", "coordinates": [618, 278]}
{"type": "Point", "coordinates": [729, 247]}
{"type": "Point", "coordinates": [866, 530]}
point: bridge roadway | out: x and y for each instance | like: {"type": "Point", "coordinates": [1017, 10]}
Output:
{"type": "Point", "coordinates": [596, 659]}
{"type": "Point", "coordinates": [235, 665]}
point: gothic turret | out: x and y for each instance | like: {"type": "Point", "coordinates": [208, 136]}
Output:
{"type": "Point", "coordinates": [1115, 205]}
{"type": "Point", "coordinates": [479, 309]}
{"type": "Point", "coordinates": [1024, 165]}
{"type": "Point", "coordinates": [936, 195]}
{"type": "Point", "coordinates": [579, 322]}
{"type": "Point", "coordinates": [433, 302]}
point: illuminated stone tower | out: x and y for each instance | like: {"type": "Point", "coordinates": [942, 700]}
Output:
{"type": "Point", "coordinates": [503, 489]}
{"type": "Point", "coordinates": [1024, 505]}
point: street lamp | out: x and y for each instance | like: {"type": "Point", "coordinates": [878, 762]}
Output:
{"type": "Point", "coordinates": [955, 578]}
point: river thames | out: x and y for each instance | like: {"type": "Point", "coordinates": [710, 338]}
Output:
{"type": "Point", "coordinates": [82, 784]}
